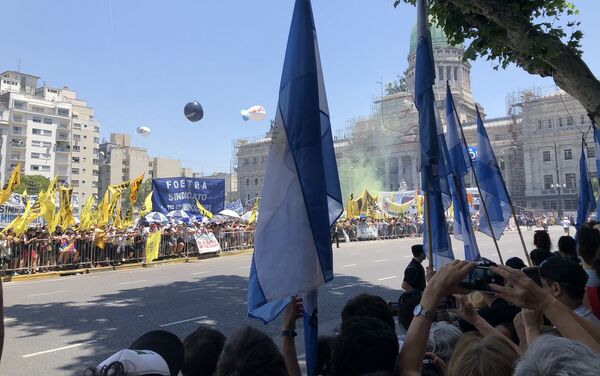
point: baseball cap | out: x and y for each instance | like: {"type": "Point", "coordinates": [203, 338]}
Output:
{"type": "Point", "coordinates": [138, 362]}
{"type": "Point", "coordinates": [167, 345]}
{"type": "Point", "coordinates": [564, 271]}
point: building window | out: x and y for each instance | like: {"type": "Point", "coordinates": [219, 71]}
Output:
{"type": "Point", "coordinates": [37, 109]}
{"type": "Point", "coordinates": [582, 119]}
{"type": "Point", "coordinates": [570, 180]}
{"type": "Point", "coordinates": [441, 73]}
{"type": "Point", "coordinates": [76, 126]}
{"type": "Point", "coordinates": [255, 181]}
{"type": "Point", "coordinates": [76, 137]}
{"type": "Point", "coordinates": [63, 112]}
{"type": "Point", "coordinates": [591, 152]}
{"type": "Point", "coordinates": [546, 156]}
{"type": "Point", "coordinates": [548, 181]}
{"type": "Point", "coordinates": [74, 171]}
{"type": "Point", "coordinates": [20, 105]}
{"type": "Point", "coordinates": [247, 182]}
{"type": "Point", "coordinates": [41, 132]}
{"type": "Point", "coordinates": [560, 122]}
{"type": "Point", "coordinates": [539, 124]}
{"type": "Point", "coordinates": [17, 130]}
{"type": "Point", "coordinates": [549, 122]}
{"type": "Point", "coordinates": [96, 140]}
{"type": "Point", "coordinates": [18, 118]}
{"type": "Point", "coordinates": [74, 183]}
{"type": "Point", "coordinates": [36, 119]}
{"type": "Point", "coordinates": [569, 121]}
{"type": "Point", "coordinates": [245, 161]}
{"type": "Point", "coordinates": [75, 159]}
{"type": "Point", "coordinates": [254, 160]}
{"type": "Point", "coordinates": [47, 121]}
{"type": "Point", "coordinates": [76, 148]}
{"type": "Point", "coordinates": [40, 168]}
{"type": "Point", "coordinates": [568, 154]}
{"type": "Point", "coordinates": [455, 73]}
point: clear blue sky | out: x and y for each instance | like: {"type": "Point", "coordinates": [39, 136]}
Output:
{"type": "Point", "coordinates": [138, 62]}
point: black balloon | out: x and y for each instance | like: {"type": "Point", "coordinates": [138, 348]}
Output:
{"type": "Point", "coordinates": [193, 111]}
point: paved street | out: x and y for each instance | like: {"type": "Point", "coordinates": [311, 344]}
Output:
{"type": "Point", "coordinates": [61, 326]}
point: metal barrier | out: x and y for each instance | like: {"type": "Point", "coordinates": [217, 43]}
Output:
{"type": "Point", "coordinates": [235, 240]}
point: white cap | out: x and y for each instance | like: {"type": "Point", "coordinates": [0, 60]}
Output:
{"type": "Point", "coordinates": [138, 362]}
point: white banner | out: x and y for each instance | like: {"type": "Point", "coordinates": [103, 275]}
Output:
{"type": "Point", "coordinates": [207, 243]}
{"type": "Point", "coordinates": [365, 231]}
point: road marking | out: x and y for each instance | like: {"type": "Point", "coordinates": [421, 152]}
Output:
{"type": "Point", "coordinates": [188, 290]}
{"type": "Point", "coordinates": [244, 267]}
{"type": "Point", "coordinates": [344, 286]}
{"type": "Point", "coordinates": [132, 282]}
{"type": "Point", "coordinates": [202, 272]}
{"type": "Point", "coordinates": [57, 349]}
{"type": "Point", "coordinates": [9, 319]}
{"type": "Point", "coordinates": [182, 321]}
{"type": "Point", "coordinates": [348, 265]}
{"type": "Point", "coordinates": [390, 277]}
{"type": "Point", "coordinates": [382, 260]}
{"type": "Point", "coordinates": [47, 293]}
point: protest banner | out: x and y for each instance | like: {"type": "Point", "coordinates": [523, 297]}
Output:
{"type": "Point", "coordinates": [207, 243]}
{"type": "Point", "coordinates": [181, 193]}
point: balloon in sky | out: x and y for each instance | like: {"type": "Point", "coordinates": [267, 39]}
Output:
{"type": "Point", "coordinates": [254, 113]}
{"type": "Point", "coordinates": [143, 131]}
{"type": "Point", "coordinates": [193, 111]}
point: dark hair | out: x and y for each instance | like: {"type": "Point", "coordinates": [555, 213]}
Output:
{"type": "Point", "coordinates": [515, 263]}
{"type": "Point", "coordinates": [367, 305]}
{"type": "Point", "coordinates": [417, 250]}
{"type": "Point", "coordinates": [588, 241]}
{"type": "Point", "coordinates": [539, 255]}
{"type": "Point", "coordinates": [201, 351]}
{"type": "Point", "coordinates": [324, 345]}
{"type": "Point", "coordinates": [567, 245]}
{"type": "Point", "coordinates": [251, 352]}
{"type": "Point", "coordinates": [365, 345]}
{"type": "Point", "coordinates": [406, 306]}
{"type": "Point", "coordinates": [542, 241]}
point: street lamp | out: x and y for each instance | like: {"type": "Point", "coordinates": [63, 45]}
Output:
{"type": "Point", "coordinates": [558, 187]}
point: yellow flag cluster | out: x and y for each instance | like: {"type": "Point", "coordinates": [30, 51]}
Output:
{"type": "Point", "coordinates": [147, 208]}
{"type": "Point", "coordinates": [365, 205]}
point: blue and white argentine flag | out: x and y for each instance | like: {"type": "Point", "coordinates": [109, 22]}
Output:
{"type": "Point", "coordinates": [301, 197]}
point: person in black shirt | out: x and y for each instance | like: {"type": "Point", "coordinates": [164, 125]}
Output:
{"type": "Point", "coordinates": [414, 274]}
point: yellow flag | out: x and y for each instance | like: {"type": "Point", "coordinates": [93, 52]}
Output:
{"type": "Point", "coordinates": [100, 238]}
{"type": "Point", "coordinates": [85, 218]}
{"type": "Point", "coordinates": [65, 212]}
{"type": "Point", "coordinates": [152, 245]}
{"type": "Point", "coordinates": [118, 189]}
{"type": "Point", "coordinates": [12, 224]}
{"type": "Point", "coordinates": [147, 208]}
{"type": "Point", "coordinates": [203, 211]}
{"type": "Point", "coordinates": [135, 188]}
{"type": "Point", "coordinates": [21, 226]}
{"type": "Point", "coordinates": [102, 210]}
{"type": "Point", "coordinates": [46, 200]}
{"type": "Point", "coordinates": [254, 213]}
{"type": "Point", "coordinates": [13, 181]}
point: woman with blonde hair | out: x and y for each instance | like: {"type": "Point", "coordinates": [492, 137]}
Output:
{"type": "Point", "coordinates": [475, 355]}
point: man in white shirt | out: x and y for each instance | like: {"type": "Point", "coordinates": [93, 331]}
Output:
{"type": "Point", "coordinates": [566, 280]}
{"type": "Point", "coordinates": [566, 224]}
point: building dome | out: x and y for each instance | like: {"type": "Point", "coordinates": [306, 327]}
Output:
{"type": "Point", "coordinates": [438, 38]}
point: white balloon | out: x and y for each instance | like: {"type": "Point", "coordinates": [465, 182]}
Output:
{"type": "Point", "coordinates": [143, 131]}
{"type": "Point", "coordinates": [256, 113]}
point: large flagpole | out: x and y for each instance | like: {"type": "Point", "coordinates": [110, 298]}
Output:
{"type": "Point", "coordinates": [481, 200]}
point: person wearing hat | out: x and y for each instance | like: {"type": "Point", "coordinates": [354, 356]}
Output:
{"type": "Point", "coordinates": [565, 280]}
{"type": "Point", "coordinates": [155, 353]}
{"type": "Point", "coordinates": [566, 224]}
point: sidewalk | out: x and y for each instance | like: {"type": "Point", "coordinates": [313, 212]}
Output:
{"type": "Point", "coordinates": [62, 273]}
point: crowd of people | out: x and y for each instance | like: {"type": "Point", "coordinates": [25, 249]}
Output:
{"type": "Point", "coordinates": [38, 250]}
{"type": "Point", "coordinates": [534, 321]}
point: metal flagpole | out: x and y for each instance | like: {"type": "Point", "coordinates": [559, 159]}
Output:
{"type": "Point", "coordinates": [481, 200]}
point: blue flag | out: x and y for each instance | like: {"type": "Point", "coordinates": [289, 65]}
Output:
{"type": "Point", "coordinates": [585, 203]}
{"type": "Point", "coordinates": [301, 195]}
{"type": "Point", "coordinates": [493, 190]}
{"type": "Point", "coordinates": [463, 227]}
{"type": "Point", "coordinates": [433, 166]}
{"type": "Point", "coordinates": [597, 149]}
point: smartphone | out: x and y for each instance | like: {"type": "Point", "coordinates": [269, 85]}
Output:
{"type": "Point", "coordinates": [479, 279]}
{"type": "Point", "coordinates": [448, 302]}
{"type": "Point", "coordinates": [533, 273]}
